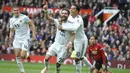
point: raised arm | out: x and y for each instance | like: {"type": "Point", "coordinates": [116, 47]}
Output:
{"type": "Point", "coordinates": [72, 26]}
{"type": "Point", "coordinates": [46, 14]}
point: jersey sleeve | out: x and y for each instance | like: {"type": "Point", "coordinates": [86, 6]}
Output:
{"type": "Point", "coordinates": [100, 46]}
{"type": "Point", "coordinates": [10, 24]}
{"type": "Point", "coordinates": [71, 27]}
{"type": "Point", "coordinates": [89, 55]}
{"type": "Point", "coordinates": [27, 19]}
{"type": "Point", "coordinates": [102, 54]}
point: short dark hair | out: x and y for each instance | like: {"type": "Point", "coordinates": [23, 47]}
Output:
{"type": "Point", "coordinates": [77, 7]}
{"type": "Point", "coordinates": [66, 10]}
{"type": "Point", "coordinates": [93, 36]}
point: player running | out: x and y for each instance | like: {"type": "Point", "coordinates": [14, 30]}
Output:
{"type": "Point", "coordinates": [21, 25]}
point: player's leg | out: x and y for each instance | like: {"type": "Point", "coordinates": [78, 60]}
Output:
{"type": "Point", "coordinates": [104, 69]}
{"type": "Point", "coordinates": [47, 58]}
{"type": "Point", "coordinates": [80, 49]}
{"type": "Point", "coordinates": [83, 51]}
{"type": "Point", "coordinates": [61, 55]}
{"type": "Point", "coordinates": [17, 51]}
{"type": "Point", "coordinates": [49, 54]}
{"type": "Point", "coordinates": [98, 66]}
{"type": "Point", "coordinates": [24, 54]}
{"type": "Point", "coordinates": [25, 49]}
{"type": "Point", "coordinates": [78, 64]}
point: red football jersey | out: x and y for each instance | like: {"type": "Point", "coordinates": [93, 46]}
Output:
{"type": "Point", "coordinates": [97, 52]}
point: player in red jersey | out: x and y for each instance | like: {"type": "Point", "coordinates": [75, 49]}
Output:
{"type": "Point", "coordinates": [96, 52]}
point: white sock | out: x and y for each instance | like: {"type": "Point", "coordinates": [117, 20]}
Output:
{"type": "Point", "coordinates": [78, 67]}
{"type": "Point", "coordinates": [20, 65]}
{"type": "Point", "coordinates": [46, 63]}
{"type": "Point", "coordinates": [86, 61]}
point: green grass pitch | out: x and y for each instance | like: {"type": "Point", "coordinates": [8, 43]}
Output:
{"type": "Point", "coordinates": [11, 67]}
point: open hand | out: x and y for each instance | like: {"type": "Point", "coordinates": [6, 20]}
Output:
{"type": "Point", "coordinates": [45, 7]}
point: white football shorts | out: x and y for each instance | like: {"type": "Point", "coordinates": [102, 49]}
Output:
{"type": "Point", "coordinates": [57, 50]}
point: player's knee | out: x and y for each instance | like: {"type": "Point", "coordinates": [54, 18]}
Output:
{"type": "Point", "coordinates": [23, 56]}
{"type": "Point", "coordinates": [95, 70]}
{"type": "Point", "coordinates": [17, 54]}
{"type": "Point", "coordinates": [77, 61]}
{"type": "Point", "coordinates": [46, 60]}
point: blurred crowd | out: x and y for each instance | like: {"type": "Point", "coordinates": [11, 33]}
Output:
{"type": "Point", "coordinates": [115, 37]}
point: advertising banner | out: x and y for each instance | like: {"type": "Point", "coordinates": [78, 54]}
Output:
{"type": "Point", "coordinates": [34, 10]}
{"type": "Point", "coordinates": [40, 59]}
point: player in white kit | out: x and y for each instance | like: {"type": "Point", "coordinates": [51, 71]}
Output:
{"type": "Point", "coordinates": [20, 26]}
{"type": "Point", "coordinates": [62, 39]}
{"type": "Point", "coordinates": [80, 41]}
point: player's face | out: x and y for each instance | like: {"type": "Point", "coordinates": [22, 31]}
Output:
{"type": "Point", "coordinates": [64, 15]}
{"type": "Point", "coordinates": [16, 11]}
{"type": "Point", "coordinates": [73, 9]}
{"type": "Point", "coordinates": [92, 40]}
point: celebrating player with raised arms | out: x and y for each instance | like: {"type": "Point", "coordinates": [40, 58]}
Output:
{"type": "Point", "coordinates": [62, 40]}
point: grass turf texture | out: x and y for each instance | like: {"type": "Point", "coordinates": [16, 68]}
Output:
{"type": "Point", "coordinates": [11, 67]}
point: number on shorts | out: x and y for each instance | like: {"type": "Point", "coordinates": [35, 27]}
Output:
{"type": "Point", "coordinates": [60, 60]}
{"type": "Point", "coordinates": [25, 46]}
{"type": "Point", "coordinates": [78, 54]}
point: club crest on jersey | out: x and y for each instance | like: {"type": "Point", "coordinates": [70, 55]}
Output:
{"type": "Point", "coordinates": [20, 20]}
{"type": "Point", "coordinates": [94, 52]}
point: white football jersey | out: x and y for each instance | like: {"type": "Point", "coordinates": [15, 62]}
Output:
{"type": "Point", "coordinates": [21, 27]}
{"type": "Point", "coordinates": [62, 36]}
{"type": "Point", "coordinates": [77, 26]}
